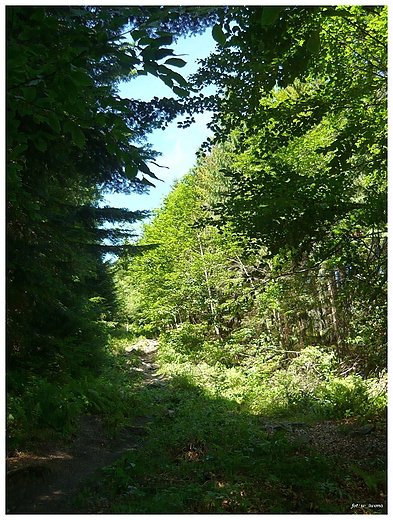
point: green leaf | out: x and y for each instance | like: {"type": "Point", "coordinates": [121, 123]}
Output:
{"type": "Point", "coordinates": [336, 12]}
{"type": "Point", "coordinates": [127, 61]}
{"type": "Point", "coordinates": [167, 39]}
{"type": "Point", "coordinates": [136, 35]}
{"type": "Point", "coordinates": [313, 43]}
{"type": "Point", "coordinates": [167, 81]}
{"type": "Point", "coordinates": [40, 144]}
{"type": "Point", "coordinates": [69, 126]}
{"type": "Point", "coordinates": [151, 69]}
{"type": "Point", "coordinates": [17, 62]}
{"type": "Point", "coordinates": [270, 15]}
{"type": "Point", "coordinates": [219, 35]}
{"type": "Point", "coordinates": [39, 119]}
{"type": "Point", "coordinates": [82, 78]}
{"type": "Point", "coordinates": [53, 121]}
{"type": "Point", "coordinates": [18, 150]}
{"type": "Point", "coordinates": [38, 15]}
{"type": "Point", "coordinates": [44, 102]}
{"type": "Point", "coordinates": [69, 86]}
{"type": "Point", "coordinates": [144, 168]}
{"type": "Point", "coordinates": [146, 41]}
{"type": "Point", "coordinates": [181, 91]}
{"type": "Point", "coordinates": [162, 53]}
{"type": "Point", "coordinates": [131, 170]}
{"type": "Point", "coordinates": [112, 147]}
{"type": "Point", "coordinates": [173, 75]}
{"type": "Point", "coordinates": [148, 53]}
{"type": "Point", "coordinates": [29, 94]}
{"type": "Point", "coordinates": [163, 33]}
{"type": "Point", "coordinates": [179, 78]}
{"type": "Point", "coordinates": [78, 137]}
{"type": "Point", "coordinates": [148, 183]}
{"type": "Point", "coordinates": [101, 118]}
{"type": "Point", "coordinates": [26, 34]}
{"type": "Point", "coordinates": [176, 62]}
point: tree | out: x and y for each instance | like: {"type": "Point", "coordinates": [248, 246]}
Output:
{"type": "Point", "coordinates": [259, 48]}
{"type": "Point", "coordinates": [69, 137]}
{"type": "Point", "coordinates": [193, 275]}
{"type": "Point", "coordinates": [307, 187]}
{"type": "Point", "coordinates": [289, 211]}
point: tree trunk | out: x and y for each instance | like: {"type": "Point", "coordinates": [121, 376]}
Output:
{"type": "Point", "coordinates": [209, 292]}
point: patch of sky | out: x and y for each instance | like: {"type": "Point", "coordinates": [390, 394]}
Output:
{"type": "Point", "coordinates": [178, 146]}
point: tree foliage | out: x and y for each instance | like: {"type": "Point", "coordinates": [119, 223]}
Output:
{"type": "Point", "coordinates": [299, 193]}
{"type": "Point", "coordinates": [184, 279]}
{"type": "Point", "coordinates": [275, 241]}
{"type": "Point", "coordinates": [69, 138]}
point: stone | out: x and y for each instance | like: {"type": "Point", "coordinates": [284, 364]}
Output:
{"type": "Point", "coordinates": [301, 425]}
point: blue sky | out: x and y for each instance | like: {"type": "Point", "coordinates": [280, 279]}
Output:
{"type": "Point", "coordinates": [178, 146]}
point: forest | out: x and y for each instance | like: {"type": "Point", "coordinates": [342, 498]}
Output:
{"type": "Point", "coordinates": [232, 356]}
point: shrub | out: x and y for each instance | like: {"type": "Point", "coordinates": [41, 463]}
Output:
{"type": "Point", "coordinates": [187, 338]}
{"type": "Point", "coordinates": [352, 396]}
{"type": "Point", "coordinates": [309, 385]}
{"type": "Point", "coordinates": [314, 364]}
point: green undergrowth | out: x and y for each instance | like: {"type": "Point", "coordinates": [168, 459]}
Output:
{"type": "Point", "coordinates": [306, 384]}
{"type": "Point", "coordinates": [42, 408]}
{"type": "Point", "coordinates": [212, 448]}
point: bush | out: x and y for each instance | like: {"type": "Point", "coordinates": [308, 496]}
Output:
{"type": "Point", "coordinates": [310, 386]}
{"type": "Point", "coordinates": [38, 406]}
{"type": "Point", "coordinates": [42, 405]}
{"type": "Point", "coordinates": [352, 397]}
{"type": "Point", "coordinates": [187, 338]}
{"type": "Point", "coordinates": [313, 364]}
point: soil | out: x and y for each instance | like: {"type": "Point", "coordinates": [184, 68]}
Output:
{"type": "Point", "coordinates": [48, 479]}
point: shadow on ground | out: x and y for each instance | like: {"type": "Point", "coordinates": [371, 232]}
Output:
{"type": "Point", "coordinates": [193, 452]}
{"type": "Point", "coordinates": [48, 479]}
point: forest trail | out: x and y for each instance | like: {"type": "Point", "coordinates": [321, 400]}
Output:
{"type": "Point", "coordinates": [146, 350]}
{"type": "Point", "coordinates": [48, 479]}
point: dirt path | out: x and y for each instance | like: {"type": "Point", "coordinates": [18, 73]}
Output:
{"type": "Point", "coordinates": [47, 480]}
{"type": "Point", "coordinates": [146, 350]}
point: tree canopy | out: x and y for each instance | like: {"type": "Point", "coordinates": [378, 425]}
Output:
{"type": "Point", "coordinates": [299, 196]}
{"type": "Point", "coordinates": [70, 137]}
